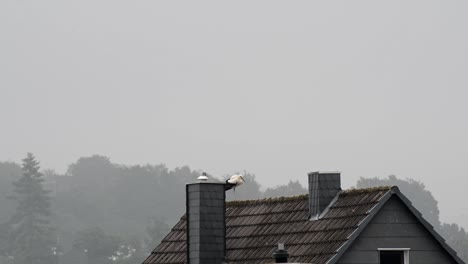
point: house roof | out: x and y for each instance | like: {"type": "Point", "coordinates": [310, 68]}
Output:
{"type": "Point", "coordinates": [255, 227]}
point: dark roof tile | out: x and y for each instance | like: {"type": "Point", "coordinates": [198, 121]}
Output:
{"type": "Point", "coordinates": [255, 227]}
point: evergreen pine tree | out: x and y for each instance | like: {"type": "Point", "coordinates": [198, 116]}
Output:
{"type": "Point", "coordinates": [30, 237]}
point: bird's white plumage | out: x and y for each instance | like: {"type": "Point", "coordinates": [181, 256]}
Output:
{"type": "Point", "coordinates": [236, 180]}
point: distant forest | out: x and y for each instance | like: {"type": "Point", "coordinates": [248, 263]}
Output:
{"type": "Point", "coordinates": [102, 212]}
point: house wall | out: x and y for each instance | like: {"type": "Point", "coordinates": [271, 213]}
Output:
{"type": "Point", "coordinates": [395, 227]}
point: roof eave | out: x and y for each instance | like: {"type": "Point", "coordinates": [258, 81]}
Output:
{"type": "Point", "coordinates": [429, 227]}
{"type": "Point", "coordinates": [394, 191]}
{"type": "Point", "coordinates": [361, 227]}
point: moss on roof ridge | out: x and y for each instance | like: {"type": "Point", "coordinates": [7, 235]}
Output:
{"type": "Point", "coordinates": [352, 191]}
{"type": "Point", "coordinates": [366, 190]}
{"type": "Point", "coordinates": [268, 200]}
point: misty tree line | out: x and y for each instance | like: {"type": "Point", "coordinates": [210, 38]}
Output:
{"type": "Point", "coordinates": [102, 212]}
{"type": "Point", "coordinates": [98, 212]}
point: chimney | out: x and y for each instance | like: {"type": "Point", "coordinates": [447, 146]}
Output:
{"type": "Point", "coordinates": [206, 227]}
{"type": "Point", "coordinates": [323, 187]}
{"type": "Point", "coordinates": [281, 255]}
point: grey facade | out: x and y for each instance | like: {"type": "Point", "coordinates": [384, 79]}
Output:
{"type": "Point", "coordinates": [395, 226]}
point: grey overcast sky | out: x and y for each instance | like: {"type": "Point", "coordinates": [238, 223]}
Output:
{"type": "Point", "coordinates": [278, 88]}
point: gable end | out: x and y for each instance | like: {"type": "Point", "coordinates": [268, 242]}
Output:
{"type": "Point", "coordinates": [395, 223]}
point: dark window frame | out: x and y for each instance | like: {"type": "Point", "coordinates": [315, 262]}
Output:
{"type": "Point", "coordinates": [405, 252]}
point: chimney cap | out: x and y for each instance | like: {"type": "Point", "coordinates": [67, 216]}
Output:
{"type": "Point", "coordinates": [203, 177]}
{"type": "Point", "coordinates": [281, 254]}
{"type": "Point", "coordinates": [324, 172]}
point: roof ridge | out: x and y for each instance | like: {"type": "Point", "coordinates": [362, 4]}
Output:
{"type": "Point", "coordinates": [366, 190]}
{"type": "Point", "coordinates": [305, 196]}
{"type": "Point", "coordinates": [268, 200]}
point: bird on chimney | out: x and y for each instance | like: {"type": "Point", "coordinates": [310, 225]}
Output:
{"type": "Point", "coordinates": [234, 181]}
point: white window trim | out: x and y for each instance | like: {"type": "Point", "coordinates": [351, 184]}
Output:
{"type": "Point", "coordinates": [405, 252]}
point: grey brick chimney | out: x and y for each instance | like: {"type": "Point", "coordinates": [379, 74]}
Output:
{"type": "Point", "coordinates": [206, 227]}
{"type": "Point", "coordinates": [323, 187]}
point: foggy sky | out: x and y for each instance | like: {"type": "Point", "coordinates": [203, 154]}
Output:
{"type": "Point", "coordinates": [278, 88]}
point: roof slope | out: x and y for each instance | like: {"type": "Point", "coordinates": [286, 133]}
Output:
{"type": "Point", "coordinates": [394, 191]}
{"type": "Point", "coordinates": [255, 227]}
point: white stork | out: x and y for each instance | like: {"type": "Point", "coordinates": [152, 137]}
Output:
{"type": "Point", "coordinates": [234, 181]}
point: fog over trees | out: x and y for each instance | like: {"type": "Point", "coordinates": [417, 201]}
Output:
{"type": "Point", "coordinates": [27, 235]}
{"type": "Point", "coordinates": [102, 212]}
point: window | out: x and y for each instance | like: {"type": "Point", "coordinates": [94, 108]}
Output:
{"type": "Point", "coordinates": [394, 255]}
